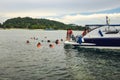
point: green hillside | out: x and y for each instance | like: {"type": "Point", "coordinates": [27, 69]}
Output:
{"type": "Point", "coordinates": [31, 23]}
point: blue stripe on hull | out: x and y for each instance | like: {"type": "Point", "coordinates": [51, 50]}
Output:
{"type": "Point", "coordinates": [103, 41]}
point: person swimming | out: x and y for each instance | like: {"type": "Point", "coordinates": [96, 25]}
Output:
{"type": "Point", "coordinates": [39, 45]}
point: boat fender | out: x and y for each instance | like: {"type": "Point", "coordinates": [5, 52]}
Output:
{"type": "Point", "coordinates": [100, 32]}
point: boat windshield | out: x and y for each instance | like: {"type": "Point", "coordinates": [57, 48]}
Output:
{"type": "Point", "coordinates": [111, 30]}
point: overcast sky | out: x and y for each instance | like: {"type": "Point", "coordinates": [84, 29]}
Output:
{"type": "Point", "coordinates": [68, 11]}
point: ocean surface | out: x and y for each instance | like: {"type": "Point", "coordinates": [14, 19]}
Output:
{"type": "Point", "coordinates": [25, 61]}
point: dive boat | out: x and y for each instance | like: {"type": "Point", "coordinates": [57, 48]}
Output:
{"type": "Point", "coordinates": [103, 36]}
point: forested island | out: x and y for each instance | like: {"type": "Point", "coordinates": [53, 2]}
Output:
{"type": "Point", "coordinates": [32, 23]}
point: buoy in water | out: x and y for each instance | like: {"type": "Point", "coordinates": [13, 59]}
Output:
{"type": "Point", "coordinates": [39, 45]}
{"type": "Point", "coordinates": [51, 46]}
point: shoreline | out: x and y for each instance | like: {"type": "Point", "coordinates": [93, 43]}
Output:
{"type": "Point", "coordinates": [32, 29]}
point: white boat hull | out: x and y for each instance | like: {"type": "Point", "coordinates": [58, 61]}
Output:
{"type": "Point", "coordinates": [87, 45]}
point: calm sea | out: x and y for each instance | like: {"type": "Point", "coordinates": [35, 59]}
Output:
{"type": "Point", "coordinates": [24, 61]}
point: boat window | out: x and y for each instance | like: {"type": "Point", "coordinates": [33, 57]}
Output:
{"type": "Point", "coordinates": [112, 32]}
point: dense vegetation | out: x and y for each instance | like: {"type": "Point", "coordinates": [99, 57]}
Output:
{"type": "Point", "coordinates": [31, 23]}
{"type": "Point", "coordinates": [0, 25]}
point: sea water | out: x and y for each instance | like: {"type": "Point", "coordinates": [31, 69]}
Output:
{"type": "Point", "coordinates": [25, 61]}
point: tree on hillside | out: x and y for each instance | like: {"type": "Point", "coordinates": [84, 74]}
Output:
{"type": "Point", "coordinates": [1, 25]}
